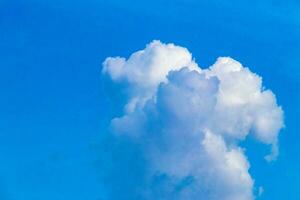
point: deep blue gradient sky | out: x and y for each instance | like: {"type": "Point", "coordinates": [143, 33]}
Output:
{"type": "Point", "coordinates": [54, 108]}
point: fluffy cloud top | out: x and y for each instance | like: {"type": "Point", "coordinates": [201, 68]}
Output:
{"type": "Point", "coordinates": [187, 123]}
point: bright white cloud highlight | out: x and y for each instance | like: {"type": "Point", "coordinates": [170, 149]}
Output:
{"type": "Point", "coordinates": [189, 122]}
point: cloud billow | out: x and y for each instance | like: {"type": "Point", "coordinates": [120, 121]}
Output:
{"type": "Point", "coordinates": [185, 125]}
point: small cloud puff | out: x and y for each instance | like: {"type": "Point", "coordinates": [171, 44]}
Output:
{"type": "Point", "coordinates": [188, 122]}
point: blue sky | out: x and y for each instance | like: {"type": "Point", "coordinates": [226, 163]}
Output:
{"type": "Point", "coordinates": [55, 106]}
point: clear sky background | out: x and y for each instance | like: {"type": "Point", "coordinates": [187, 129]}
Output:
{"type": "Point", "coordinates": [54, 108]}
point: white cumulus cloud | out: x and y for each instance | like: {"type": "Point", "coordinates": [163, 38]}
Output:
{"type": "Point", "coordinates": [188, 122]}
